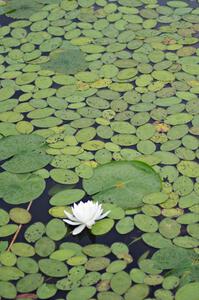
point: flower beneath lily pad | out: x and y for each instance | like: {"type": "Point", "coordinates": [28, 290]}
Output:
{"type": "Point", "coordinates": [84, 214]}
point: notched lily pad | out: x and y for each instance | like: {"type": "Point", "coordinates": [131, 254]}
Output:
{"type": "Point", "coordinates": [123, 183]}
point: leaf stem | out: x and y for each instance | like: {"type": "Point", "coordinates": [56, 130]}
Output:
{"type": "Point", "coordinates": [18, 230]}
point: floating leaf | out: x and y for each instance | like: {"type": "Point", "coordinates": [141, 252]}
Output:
{"type": "Point", "coordinates": [96, 250]}
{"type": "Point", "coordinates": [34, 232]}
{"type": "Point", "coordinates": [67, 197]}
{"type": "Point", "coordinates": [23, 249]}
{"type": "Point", "coordinates": [23, 9]}
{"type": "Point", "coordinates": [7, 290]}
{"type": "Point", "coordinates": [20, 188]}
{"type": "Point", "coordinates": [56, 229]}
{"type": "Point", "coordinates": [53, 268]}
{"type": "Point", "coordinates": [188, 168]}
{"type": "Point", "coordinates": [120, 282]}
{"type": "Point", "coordinates": [85, 293]}
{"type": "Point", "coordinates": [103, 226]}
{"type": "Point", "coordinates": [17, 144]}
{"type": "Point", "coordinates": [29, 283]}
{"type": "Point", "coordinates": [122, 183]}
{"type": "Point", "coordinates": [188, 291]}
{"type": "Point", "coordinates": [20, 215]}
{"type": "Point", "coordinates": [171, 257]}
{"type": "Point", "coordinates": [69, 60]}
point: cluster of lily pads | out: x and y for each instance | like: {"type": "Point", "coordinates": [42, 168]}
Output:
{"type": "Point", "coordinates": [99, 101]}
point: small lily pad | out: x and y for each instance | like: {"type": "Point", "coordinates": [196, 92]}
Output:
{"type": "Point", "coordinates": [103, 226]}
{"type": "Point", "coordinates": [67, 197]}
{"type": "Point", "coordinates": [20, 215]}
{"type": "Point", "coordinates": [96, 250]}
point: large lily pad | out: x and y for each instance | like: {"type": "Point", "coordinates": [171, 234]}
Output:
{"type": "Point", "coordinates": [26, 152]}
{"type": "Point", "coordinates": [20, 188]}
{"type": "Point", "coordinates": [15, 144]}
{"type": "Point", "coordinates": [68, 60]}
{"type": "Point", "coordinates": [123, 183]}
{"type": "Point", "coordinates": [188, 291]}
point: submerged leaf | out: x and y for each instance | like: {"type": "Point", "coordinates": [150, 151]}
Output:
{"type": "Point", "coordinates": [68, 60]}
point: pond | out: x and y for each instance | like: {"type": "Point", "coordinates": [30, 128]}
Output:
{"type": "Point", "coordinates": [99, 102]}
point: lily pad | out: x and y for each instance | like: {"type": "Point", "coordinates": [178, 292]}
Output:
{"type": "Point", "coordinates": [103, 226]}
{"type": "Point", "coordinates": [7, 290]}
{"type": "Point", "coordinates": [85, 293]}
{"type": "Point", "coordinates": [122, 183]}
{"type": "Point", "coordinates": [120, 282]}
{"type": "Point", "coordinates": [188, 291]}
{"type": "Point", "coordinates": [67, 197]}
{"type": "Point", "coordinates": [53, 268]}
{"type": "Point", "coordinates": [20, 188]}
{"type": "Point", "coordinates": [29, 283]}
{"type": "Point", "coordinates": [20, 215]}
{"type": "Point", "coordinates": [188, 168]}
{"type": "Point", "coordinates": [96, 250]}
{"type": "Point", "coordinates": [69, 60]}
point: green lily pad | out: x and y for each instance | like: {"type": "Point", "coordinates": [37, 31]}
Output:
{"type": "Point", "coordinates": [53, 268]}
{"type": "Point", "coordinates": [20, 215]}
{"type": "Point", "coordinates": [26, 162]}
{"type": "Point", "coordinates": [27, 265]}
{"type": "Point", "coordinates": [67, 197]}
{"type": "Point", "coordinates": [169, 228]}
{"type": "Point", "coordinates": [20, 188]}
{"type": "Point", "coordinates": [97, 263]}
{"type": "Point", "coordinates": [8, 259]}
{"type": "Point", "coordinates": [44, 246]}
{"type": "Point", "coordinates": [69, 60]}
{"type": "Point", "coordinates": [188, 291]}
{"type": "Point", "coordinates": [7, 230]}
{"type": "Point", "coordinates": [120, 282]}
{"type": "Point", "coordinates": [90, 278]}
{"type": "Point", "coordinates": [7, 290]}
{"type": "Point", "coordinates": [108, 296]}
{"type": "Point", "coordinates": [23, 249]}
{"type": "Point", "coordinates": [116, 266]}
{"type": "Point", "coordinates": [10, 273]}
{"type": "Point", "coordinates": [122, 183]}
{"type": "Point", "coordinates": [103, 226]}
{"type": "Point", "coordinates": [85, 293]}
{"type": "Point", "coordinates": [140, 291]}
{"type": "Point", "coordinates": [145, 223]}
{"type": "Point", "coordinates": [56, 229]}
{"type": "Point", "coordinates": [170, 257]}
{"type": "Point", "coordinates": [29, 283]}
{"type": "Point", "coordinates": [125, 225]}
{"type": "Point", "coordinates": [46, 291]}
{"type": "Point", "coordinates": [16, 144]}
{"type": "Point", "coordinates": [62, 254]}
{"type": "Point", "coordinates": [155, 240]}
{"type": "Point", "coordinates": [4, 217]}
{"type": "Point", "coordinates": [34, 232]}
{"type": "Point", "coordinates": [96, 250]}
{"type": "Point", "coordinates": [188, 168]}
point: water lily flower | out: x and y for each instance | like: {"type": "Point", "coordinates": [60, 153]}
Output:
{"type": "Point", "coordinates": [84, 214]}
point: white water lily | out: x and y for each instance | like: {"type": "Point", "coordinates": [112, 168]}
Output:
{"type": "Point", "coordinates": [84, 214]}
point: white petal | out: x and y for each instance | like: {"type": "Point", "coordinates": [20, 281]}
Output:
{"type": "Point", "coordinates": [78, 229]}
{"type": "Point", "coordinates": [71, 217]}
{"type": "Point", "coordinates": [103, 216]}
{"type": "Point", "coordinates": [71, 222]}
